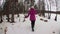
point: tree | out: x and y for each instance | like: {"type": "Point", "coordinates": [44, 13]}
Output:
{"type": "Point", "coordinates": [56, 10]}
{"type": "Point", "coordinates": [32, 2]}
{"type": "Point", "coordinates": [42, 7]}
{"type": "Point", "coordinates": [36, 7]}
{"type": "Point", "coordinates": [48, 8]}
{"type": "Point", "coordinates": [1, 15]}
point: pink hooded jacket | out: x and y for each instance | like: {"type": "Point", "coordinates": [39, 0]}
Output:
{"type": "Point", "coordinates": [31, 13]}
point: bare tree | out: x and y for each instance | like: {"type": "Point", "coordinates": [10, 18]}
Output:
{"type": "Point", "coordinates": [48, 9]}
{"type": "Point", "coordinates": [56, 10]}
{"type": "Point", "coordinates": [1, 9]}
{"type": "Point", "coordinates": [42, 7]}
{"type": "Point", "coordinates": [1, 15]}
{"type": "Point", "coordinates": [39, 7]}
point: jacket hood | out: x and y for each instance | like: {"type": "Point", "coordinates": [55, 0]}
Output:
{"type": "Point", "coordinates": [32, 9]}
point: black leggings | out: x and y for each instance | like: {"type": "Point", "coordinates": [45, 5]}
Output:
{"type": "Point", "coordinates": [32, 24]}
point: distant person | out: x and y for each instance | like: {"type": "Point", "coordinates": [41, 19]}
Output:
{"type": "Point", "coordinates": [32, 13]}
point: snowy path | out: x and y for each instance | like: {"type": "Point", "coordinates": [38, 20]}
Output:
{"type": "Point", "coordinates": [41, 27]}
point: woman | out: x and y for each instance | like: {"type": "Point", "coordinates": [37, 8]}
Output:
{"type": "Point", "coordinates": [32, 13]}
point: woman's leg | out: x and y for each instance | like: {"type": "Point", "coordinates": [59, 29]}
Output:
{"type": "Point", "coordinates": [32, 25]}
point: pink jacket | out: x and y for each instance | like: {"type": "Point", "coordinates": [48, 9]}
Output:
{"type": "Point", "coordinates": [32, 13]}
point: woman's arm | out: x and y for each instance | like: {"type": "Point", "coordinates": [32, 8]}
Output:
{"type": "Point", "coordinates": [35, 11]}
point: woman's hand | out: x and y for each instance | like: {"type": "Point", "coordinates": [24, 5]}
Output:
{"type": "Point", "coordinates": [25, 17]}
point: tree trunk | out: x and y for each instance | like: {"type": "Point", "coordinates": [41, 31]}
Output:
{"type": "Point", "coordinates": [43, 8]}
{"type": "Point", "coordinates": [56, 11]}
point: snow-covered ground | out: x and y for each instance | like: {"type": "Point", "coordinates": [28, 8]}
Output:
{"type": "Point", "coordinates": [41, 27]}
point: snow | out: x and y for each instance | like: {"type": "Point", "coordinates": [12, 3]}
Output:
{"type": "Point", "coordinates": [41, 27]}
